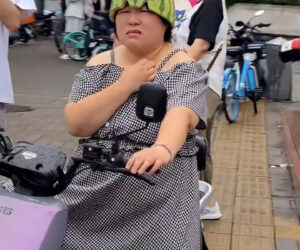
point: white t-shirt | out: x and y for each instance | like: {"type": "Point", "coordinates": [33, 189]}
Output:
{"type": "Point", "coordinates": [6, 91]}
{"type": "Point", "coordinates": [181, 33]}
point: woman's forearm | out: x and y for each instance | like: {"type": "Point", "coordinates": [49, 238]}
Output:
{"type": "Point", "coordinates": [10, 15]}
{"type": "Point", "coordinates": [198, 49]}
{"type": "Point", "coordinates": [89, 114]}
{"type": "Point", "coordinates": [175, 127]}
{"type": "Point", "coordinates": [172, 135]}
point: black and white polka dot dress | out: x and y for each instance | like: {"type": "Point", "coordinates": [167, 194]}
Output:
{"type": "Point", "coordinates": [111, 211]}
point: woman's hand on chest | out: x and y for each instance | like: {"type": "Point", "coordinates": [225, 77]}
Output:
{"type": "Point", "coordinates": [137, 74]}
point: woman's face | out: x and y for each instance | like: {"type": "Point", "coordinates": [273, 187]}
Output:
{"type": "Point", "coordinates": [139, 29]}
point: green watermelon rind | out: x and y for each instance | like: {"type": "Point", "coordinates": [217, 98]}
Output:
{"type": "Point", "coordinates": [156, 6]}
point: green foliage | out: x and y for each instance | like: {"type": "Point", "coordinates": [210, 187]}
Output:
{"type": "Point", "coordinates": [283, 2]}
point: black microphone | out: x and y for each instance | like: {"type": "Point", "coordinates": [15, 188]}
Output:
{"type": "Point", "coordinates": [151, 103]}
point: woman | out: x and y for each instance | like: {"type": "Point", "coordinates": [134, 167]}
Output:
{"type": "Point", "coordinates": [114, 211]}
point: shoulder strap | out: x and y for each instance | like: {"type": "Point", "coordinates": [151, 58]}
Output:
{"type": "Point", "coordinates": [112, 56]}
{"type": "Point", "coordinates": [163, 63]}
{"type": "Point", "coordinates": [215, 58]}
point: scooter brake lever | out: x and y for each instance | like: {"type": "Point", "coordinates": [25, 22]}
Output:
{"type": "Point", "coordinates": [128, 173]}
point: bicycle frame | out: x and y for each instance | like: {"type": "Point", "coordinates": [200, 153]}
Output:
{"type": "Point", "coordinates": [79, 45]}
{"type": "Point", "coordinates": [236, 68]}
{"type": "Point", "coordinates": [237, 86]}
{"type": "Point", "coordinates": [249, 79]}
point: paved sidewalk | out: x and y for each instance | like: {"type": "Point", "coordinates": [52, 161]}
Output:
{"type": "Point", "coordinates": [241, 184]}
{"type": "Point", "coordinates": [44, 125]}
{"type": "Point", "coordinates": [256, 201]}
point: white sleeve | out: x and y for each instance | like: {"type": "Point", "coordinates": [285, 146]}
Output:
{"type": "Point", "coordinates": [27, 6]}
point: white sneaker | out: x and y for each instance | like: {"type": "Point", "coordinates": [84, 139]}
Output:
{"type": "Point", "coordinates": [64, 57]}
{"type": "Point", "coordinates": [211, 213]}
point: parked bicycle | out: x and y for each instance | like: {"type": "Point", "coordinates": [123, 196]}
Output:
{"type": "Point", "coordinates": [81, 45]}
{"type": "Point", "coordinates": [241, 84]}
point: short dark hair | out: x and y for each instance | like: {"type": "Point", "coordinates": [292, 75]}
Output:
{"type": "Point", "coordinates": [168, 33]}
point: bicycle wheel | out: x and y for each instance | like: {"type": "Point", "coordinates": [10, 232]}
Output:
{"type": "Point", "coordinates": [230, 103]}
{"type": "Point", "coordinates": [74, 46]}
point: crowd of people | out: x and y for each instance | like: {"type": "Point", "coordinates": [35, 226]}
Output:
{"type": "Point", "coordinates": [185, 53]}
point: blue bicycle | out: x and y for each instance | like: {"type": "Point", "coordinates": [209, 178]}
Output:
{"type": "Point", "coordinates": [241, 84]}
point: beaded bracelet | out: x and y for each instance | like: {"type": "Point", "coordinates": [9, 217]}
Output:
{"type": "Point", "coordinates": [165, 147]}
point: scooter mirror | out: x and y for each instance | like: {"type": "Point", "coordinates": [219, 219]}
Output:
{"type": "Point", "coordinates": [239, 24]}
{"type": "Point", "coordinates": [259, 13]}
{"type": "Point", "coordinates": [151, 103]}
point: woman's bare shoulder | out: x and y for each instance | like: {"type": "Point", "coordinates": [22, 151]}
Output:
{"type": "Point", "coordinates": [179, 57]}
{"type": "Point", "coordinates": [102, 58]}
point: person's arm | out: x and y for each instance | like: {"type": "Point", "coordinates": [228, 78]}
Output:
{"type": "Point", "coordinates": [204, 27]}
{"type": "Point", "coordinates": [198, 48]}
{"type": "Point", "coordinates": [91, 113]}
{"type": "Point", "coordinates": [186, 110]}
{"type": "Point", "coordinates": [10, 15]}
{"type": "Point", "coordinates": [172, 135]}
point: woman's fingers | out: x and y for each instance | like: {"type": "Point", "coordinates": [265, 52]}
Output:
{"type": "Point", "coordinates": [136, 165]}
{"type": "Point", "coordinates": [148, 160]}
{"type": "Point", "coordinates": [130, 162]}
{"type": "Point", "coordinates": [151, 77]}
{"type": "Point", "coordinates": [157, 165]}
{"type": "Point", "coordinates": [145, 166]}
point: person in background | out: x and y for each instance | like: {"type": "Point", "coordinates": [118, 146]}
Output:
{"type": "Point", "coordinates": [74, 15]}
{"type": "Point", "coordinates": [75, 18]}
{"type": "Point", "coordinates": [102, 5]}
{"type": "Point", "coordinates": [11, 14]}
{"type": "Point", "coordinates": [201, 29]}
{"type": "Point", "coordinates": [63, 6]}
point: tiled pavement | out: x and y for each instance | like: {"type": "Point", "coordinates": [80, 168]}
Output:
{"type": "Point", "coordinates": [43, 125]}
{"type": "Point", "coordinates": [255, 215]}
